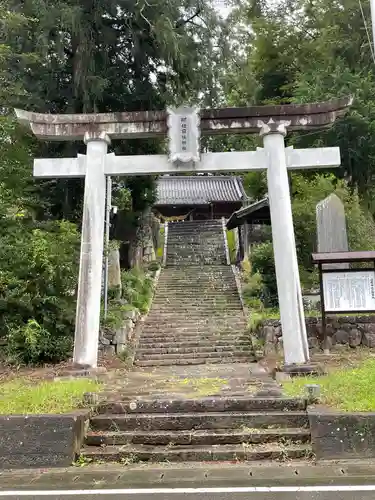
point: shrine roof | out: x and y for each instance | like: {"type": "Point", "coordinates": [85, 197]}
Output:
{"type": "Point", "coordinates": [199, 190]}
{"type": "Point", "coordinates": [257, 213]}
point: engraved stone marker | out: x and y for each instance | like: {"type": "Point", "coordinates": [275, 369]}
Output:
{"type": "Point", "coordinates": [331, 228]}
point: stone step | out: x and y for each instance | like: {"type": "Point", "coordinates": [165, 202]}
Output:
{"type": "Point", "coordinates": [187, 234]}
{"type": "Point", "coordinates": [203, 306]}
{"type": "Point", "coordinates": [182, 302]}
{"type": "Point", "coordinates": [180, 327]}
{"type": "Point", "coordinates": [198, 438]}
{"type": "Point", "coordinates": [170, 309]}
{"type": "Point", "coordinates": [216, 332]}
{"type": "Point", "coordinates": [191, 339]}
{"type": "Point", "coordinates": [145, 352]}
{"type": "Point", "coordinates": [235, 322]}
{"type": "Point", "coordinates": [148, 453]}
{"type": "Point", "coordinates": [197, 315]}
{"type": "Point", "coordinates": [223, 285]}
{"type": "Point", "coordinates": [192, 344]}
{"type": "Point", "coordinates": [174, 326]}
{"type": "Point", "coordinates": [195, 421]}
{"type": "Point", "coordinates": [196, 323]}
{"type": "Point", "coordinates": [206, 272]}
{"type": "Point", "coordinates": [205, 354]}
{"type": "Point", "coordinates": [187, 361]}
{"type": "Point", "coordinates": [192, 292]}
{"type": "Point", "coordinates": [207, 404]}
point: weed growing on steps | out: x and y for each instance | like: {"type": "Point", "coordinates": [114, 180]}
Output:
{"type": "Point", "coordinates": [201, 386]}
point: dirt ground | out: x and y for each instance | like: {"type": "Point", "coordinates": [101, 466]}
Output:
{"type": "Point", "coordinates": [46, 372]}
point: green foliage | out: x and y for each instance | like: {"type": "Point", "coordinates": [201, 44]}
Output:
{"type": "Point", "coordinates": [31, 343]}
{"type": "Point", "coordinates": [137, 288]}
{"type": "Point", "coordinates": [253, 287]}
{"type": "Point", "coordinates": [257, 317]}
{"type": "Point", "coordinates": [307, 192]}
{"type": "Point", "coordinates": [262, 261]}
{"type": "Point", "coordinates": [154, 266]}
{"type": "Point", "coordinates": [255, 184]}
{"type": "Point", "coordinates": [160, 249]}
{"type": "Point", "coordinates": [231, 246]}
{"type": "Point", "coordinates": [38, 280]}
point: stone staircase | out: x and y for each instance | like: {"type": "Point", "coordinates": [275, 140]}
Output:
{"type": "Point", "coordinates": [196, 317]}
{"type": "Point", "coordinates": [219, 429]}
{"type": "Point", "coordinates": [196, 242]}
{"type": "Point", "coordinates": [193, 395]}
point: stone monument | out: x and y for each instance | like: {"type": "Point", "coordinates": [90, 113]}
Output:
{"type": "Point", "coordinates": [331, 228]}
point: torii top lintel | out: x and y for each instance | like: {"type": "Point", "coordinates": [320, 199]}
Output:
{"type": "Point", "coordinates": [142, 124]}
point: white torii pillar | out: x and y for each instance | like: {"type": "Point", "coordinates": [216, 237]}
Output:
{"type": "Point", "coordinates": [91, 258]}
{"type": "Point", "coordinates": [274, 157]}
{"type": "Point", "coordinates": [296, 349]}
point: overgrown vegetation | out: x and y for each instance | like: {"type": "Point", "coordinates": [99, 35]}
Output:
{"type": "Point", "coordinates": [23, 397]}
{"type": "Point", "coordinates": [345, 389]}
{"type": "Point", "coordinates": [137, 293]}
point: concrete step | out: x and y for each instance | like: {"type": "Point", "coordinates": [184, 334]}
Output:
{"type": "Point", "coordinates": [195, 421]}
{"type": "Point", "coordinates": [198, 437]}
{"type": "Point", "coordinates": [207, 404]}
{"type": "Point", "coordinates": [148, 453]}
{"type": "Point", "coordinates": [189, 361]}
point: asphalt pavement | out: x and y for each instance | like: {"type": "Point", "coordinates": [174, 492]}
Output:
{"type": "Point", "coordinates": [349, 480]}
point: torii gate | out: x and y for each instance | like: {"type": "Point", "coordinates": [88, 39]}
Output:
{"type": "Point", "coordinates": [184, 126]}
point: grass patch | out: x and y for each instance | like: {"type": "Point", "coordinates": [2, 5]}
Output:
{"type": "Point", "coordinates": [21, 397]}
{"type": "Point", "coordinates": [344, 389]}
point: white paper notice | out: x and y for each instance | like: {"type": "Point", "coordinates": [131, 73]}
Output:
{"type": "Point", "coordinates": [349, 291]}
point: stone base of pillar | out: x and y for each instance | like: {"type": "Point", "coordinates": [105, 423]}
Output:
{"type": "Point", "coordinates": [77, 371]}
{"type": "Point", "coordinates": [300, 370]}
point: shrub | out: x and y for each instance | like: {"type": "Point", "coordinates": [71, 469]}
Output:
{"type": "Point", "coordinates": [154, 266]}
{"type": "Point", "coordinates": [252, 287]}
{"type": "Point", "coordinates": [263, 263]}
{"type": "Point", "coordinates": [38, 281]}
{"type": "Point", "coordinates": [31, 343]}
{"type": "Point", "coordinates": [137, 288]}
{"type": "Point", "coordinates": [232, 246]}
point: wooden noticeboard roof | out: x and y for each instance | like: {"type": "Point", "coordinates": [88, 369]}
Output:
{"type": "Point", "coordinates": [336, 257]}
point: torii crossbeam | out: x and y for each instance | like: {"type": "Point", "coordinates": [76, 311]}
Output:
{"type": "Point", "coordinates": [272, 122]}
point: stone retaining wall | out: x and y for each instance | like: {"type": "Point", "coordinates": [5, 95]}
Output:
{"type": "Point", "coordinates": [342, 330]}
{"type": "Point", "coordinates": [115, 341]}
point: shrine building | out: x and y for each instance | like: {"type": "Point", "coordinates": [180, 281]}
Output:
{"type": "Point", "coordinates": [199, 197]}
